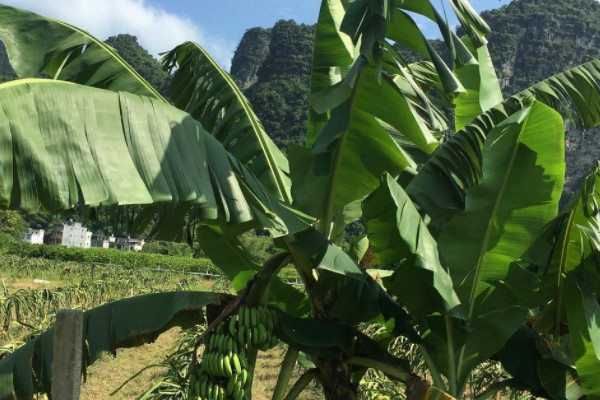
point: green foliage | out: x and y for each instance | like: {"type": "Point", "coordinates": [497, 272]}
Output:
{"type": "Point", "coordinates": [168, 249]}
{"type": "Point", "coordinates": [282, 77]}
{"type": "Point", "coordinates": [260, 246]}
{"type": "Point", "coordinates": [12, 224]}
{"type": "Point", "coordinates": [250, 54]}
{"type": "Point", "coordinates": [110, 256]}
{"type": "Point", "coordinates": [525, 33]}
{"type": "Point", "coordinates": [149, 68]}
{"type": "Point", "coordinates": [135, 325]}
{"type": "Point", "coordinates": [476, 225]}
{"type": "Point", "coordinates": [286, 123]}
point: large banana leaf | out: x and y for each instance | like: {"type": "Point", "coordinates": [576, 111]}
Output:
{"type": "Point", "coordinates": [566, 257]}
{"type": "Point", "coordinates": [399, 235]}
{"type": "Point", "coordinates": [360, 83]}
{"type": "Point", "coordinates": [570, 242]}
{"type": "Point", "coordinates": [583, 315]}
{"type": "Point", "coordinates": [440, 186]}
{"type": "Point", "coordinates": [482, 88]}
{"type": "Point", "coordinates": [124, 323]}
{"type": "Point", "coordinates": [339, 58]}
{"type": "Point", "coordinates": [39, 45]}
{"type": "Point", "coordinates": [63, 144]}
{"type": "Point", "coordinates": [523, 176]}
{"type": "Point", "coordinates": [369, 151]}
{"type": "Point", "coordinates": [203, 89]}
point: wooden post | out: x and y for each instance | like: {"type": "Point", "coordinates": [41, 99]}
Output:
{"type": "Point", "coordinates": [68, 353]}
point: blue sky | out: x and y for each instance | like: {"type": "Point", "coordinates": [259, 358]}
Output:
{"type": "Point", "coordinates": [216, 24]}
{"type": "Point", "coordinates": [230, 19]}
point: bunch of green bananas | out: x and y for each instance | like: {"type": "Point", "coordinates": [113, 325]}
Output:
{"type": "Point", "coordinates": [224, 373]}
{"type": "Point", "coordinates": [254, 326]}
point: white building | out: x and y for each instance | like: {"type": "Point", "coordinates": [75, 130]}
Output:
{"type": "Point", "coordinates": [106, 242]}
{"type": "Point", "coordinates": [128, 244]}
{"type": "Point", "coordinates": [34, 236]}
{"type": "Point", "coordinates": [70, 234]}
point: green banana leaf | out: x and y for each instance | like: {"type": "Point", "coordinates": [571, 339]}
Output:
{"type": "Point", "coordinates": [559, 381]}
{"type": "Point", "coordinates": [583, 315]}
{"type": "Point", "coordinates": [571, 241]}
{"type": "Point", "coordinates": [124, 323]}
{"type": "Point", "coordinates": [206, 91]}
{"type": "Point", "coordinates": [347, 291]}
{"type": "Point", "coordinates": [455, 168]}
{"type": "Point", "coordinates": [461, 55]}
{"type": "Point", "coordinates": [482, 88]}
{"type": "Point", "coordinates": [351, 95]}
{"type": "Point", "coordinates": [523, 177]}
{"type": "Point", "coordinates": [227, 252]}
{"type": "Point", "coordinates": [564, 260]}
{"type": "Point", "coordinates": [399, 235]}
{"type": "Point", "coordinates": [72, 144]}
{"type": "Point", "coordinates": [520, 356]}
{"type": "Point", "coordinates": [331, 49]}
{"type": "Point", "coordinates": [369, 151]}
{"type": "Point", "coordinates": [39, 45]}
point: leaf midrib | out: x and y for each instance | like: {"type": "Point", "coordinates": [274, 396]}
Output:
{"type": "Point", "coordinates": [499, 198]}
{"type": "Point", "coordinates": [116, 57]}
{"type": "Point", "coordinates": [255, 127]}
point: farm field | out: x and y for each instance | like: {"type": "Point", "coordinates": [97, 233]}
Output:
{"type": "Point", "coordinates": [102, 382]}
{"type": "Point", "coordinates": [33, 289]}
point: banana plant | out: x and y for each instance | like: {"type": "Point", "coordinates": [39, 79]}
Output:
{"type": "Point", "coordinates": [463, 220]}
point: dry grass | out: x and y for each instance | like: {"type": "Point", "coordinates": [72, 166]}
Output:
{"type": "Point", "coordinates": [107, 374]}
{"type": "Point", "coordinates": [267, 370]}
{"type": "Point", "coordinates": [28, 283]}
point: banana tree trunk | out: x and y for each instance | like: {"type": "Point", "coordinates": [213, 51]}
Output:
{"type": "Point", "coordinates": [335, 378]}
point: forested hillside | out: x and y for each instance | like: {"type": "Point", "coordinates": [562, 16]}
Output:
{"type": "Point", "coordinates": [277, 77]}
{"type": "Point", "coordinates": [129, 48]}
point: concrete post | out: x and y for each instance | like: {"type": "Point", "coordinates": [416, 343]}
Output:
{"type": "Point", "coordinates": [68, 355]}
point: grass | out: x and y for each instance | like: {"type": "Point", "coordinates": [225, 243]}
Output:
{"type": "Point", "coordinates": [109, 373]}
{"type": "Point", "coordinates": [267, 367]}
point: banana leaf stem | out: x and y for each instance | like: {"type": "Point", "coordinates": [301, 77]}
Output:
{"type": "Point", "coordinates": [289, 362]}
{"type": "Point", "coordinates": [259, 291]}
{"type": "Point", "coordinates": [252, 356]}
{"type": "Point", "coordinates": [561, 281]}
{"type": "Point", "coordinates": [387, 369]}
{"type": "Point", "coordinates": [451, 358]}
{"type": "Point", "coordinates": [327, 215]}
{"type": "Point", "coordinates": [438, 381]}
{"type": "Point", "coordinates": [301, 384]}
{"type": "Point", "coordinates": [493, 389]}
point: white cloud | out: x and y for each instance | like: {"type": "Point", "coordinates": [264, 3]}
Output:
{"type": "Point", "coordinates": [157, 30]}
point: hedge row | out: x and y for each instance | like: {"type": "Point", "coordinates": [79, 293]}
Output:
{"type": "Point", "coordinates": [129, 259]}
{"type": "Point", "coordinates": [110, 256]}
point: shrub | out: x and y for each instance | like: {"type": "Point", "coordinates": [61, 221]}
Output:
{"type": "Point", "coordinates": [109, 256]}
